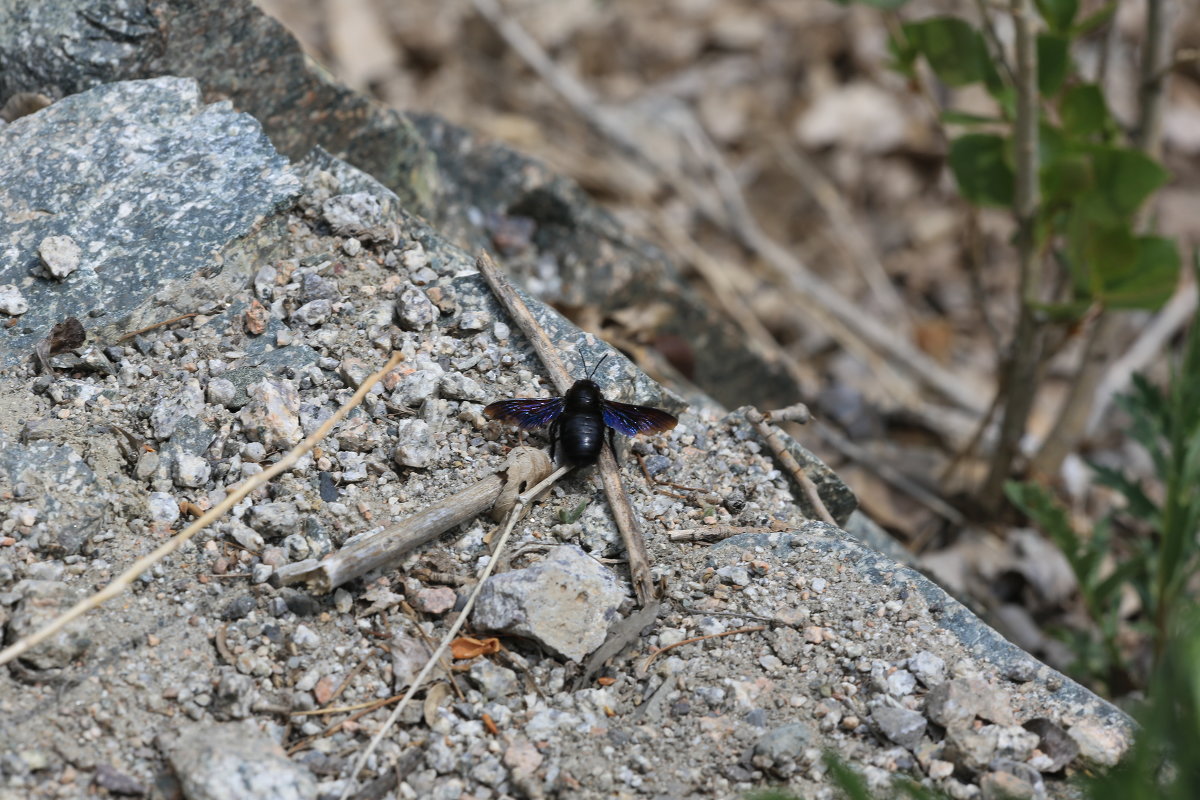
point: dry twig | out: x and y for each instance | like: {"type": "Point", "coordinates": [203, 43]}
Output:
{"type": "Point", "coordinates": [650, 659]}
{"type": "Point", "coordinates": [388, 547]}
{"type": "Point", "coordinates": [714, 533]}
{"type": "Point", "coordinates": [152, 326]}
{"type": "Point", "coordinates": [771, 436]}
{"type": "Point", "coordinates": [610, 475]}
{"type": "Point", "coordinates": [841, 317]}
{"type": "Point", "coordinates": [122, 581]}
{"type": "Point", "coordinates": [524, 500]}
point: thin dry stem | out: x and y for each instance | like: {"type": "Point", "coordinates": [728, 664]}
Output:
{"type": "Point", "coordinates": [839, 316]}
{"type": "Point", "coordinates": [1075, 415]}
{"type": "Point", "coordinates": [122, 581]}
{"type": "Point", "coordinates": [610, 475]}
{"type": "Point", "coordinates": [650, 659]}
{"type": "Point", "coordinates": [1024, 358]}
{"type": "Point", "coordinates": [418, 681]}
{"type": "Point", "coordinates": [771, 436]}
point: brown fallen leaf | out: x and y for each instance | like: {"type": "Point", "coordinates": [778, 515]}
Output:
{"type": "Point", "coordinates": [66, 335]}
{"type": "Point", "coordinates": [469, 647]}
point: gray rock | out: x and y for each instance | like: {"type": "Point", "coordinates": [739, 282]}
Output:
{"type": "Point", "coordinates": [735, 574]}
{"type": "Point", "coordinates": [118, 783]}
{"type": "Point", "coordinates": [957, 702]}
{"type": "Point", "coordinates": [162, 508]}
{"type": "Point", "coordinates": [314, 313]}
{"type": "Point", "coordinates": [55, 481]}
{"type": "Point", "coordinates": [234, 696]}
{"type": "Point", "coordinates": [12, 302]}
{"type": "Point", "coordinates": [274, 519]}
{"type": "Point", "coordinates": [317, 287]}
{"type": "Point", "coordinates": [60, 255]}
{"type": "Point", "coordinates": [417, 386]}
{"type": "Point", "coordinates": [182, 401]}
{"type": "Point", "coordinates": [415, 309]}
{"type": "Point", "coordinates": [457, 386]}
{"type": "Point", "coordinates": [901, 683]}
{"type": "Point", "coordinates": [900, 725]}
{"type": "Point", "coordinates": [41, 601]}
{"type": "Point", "coordinates": [113, 144]}
{"type": "Point", "coordinates": [1099, 745]}
{"type": "Point", "coordinates": [273, 414]}
{"type": "Point", "coordinates": [416, 447]}
{"type": "Point", "coordinates": [221, 391]}
{"type": "Point", "coordinates": [353, 214]}
{"type": "Point", "coordinates": [492, 679]}
{"type": "Point", "coordinates": [233, 761]}
{"type": "Point", "coordinates": [1057, 747]}
{"type": "Point", "coordinates": [780, 750]}
{"type": "Point", "coordinates": [190, 471]}
{"type": "Point", "coordinates": [566, 602]}
{"type": "Point", "coordinates": [929, 668]}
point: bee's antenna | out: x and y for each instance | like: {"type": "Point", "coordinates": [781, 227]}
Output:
{"type": "Point", "coordinates": [598, 363]}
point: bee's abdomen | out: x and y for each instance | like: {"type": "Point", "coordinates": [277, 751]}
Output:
{"type": "Point", "coordinates": [581, 437]}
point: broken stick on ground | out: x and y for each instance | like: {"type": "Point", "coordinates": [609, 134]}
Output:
{"type": "Point", "coordinates": [610, 475]}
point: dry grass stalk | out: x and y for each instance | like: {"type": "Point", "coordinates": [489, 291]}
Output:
{"type": "Point", "coordinates": [610, 475]}
{"type": "Point", "coordinates": [126, 578]}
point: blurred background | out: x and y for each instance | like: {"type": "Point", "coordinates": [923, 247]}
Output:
{"type": "Point", "coordinates": [785, 168]}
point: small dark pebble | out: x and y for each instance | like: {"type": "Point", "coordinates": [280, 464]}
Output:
{"type": "Point", "coordinates": [273, 633]}
{"type": "Point", "coordinates": [239, 607]}
{"type": "Point", "coordinates": [757, 718]}
{"type": "Point", "coordinates": [117, 782]}
{"type": "Point", "coordinates": [328, 489]}
{"type": "Point", "coordinates": [619, 737]}
{"type": "Point", "coordinates": [300, 604]}
{"type": "Point", "coordinates": [657, 463]}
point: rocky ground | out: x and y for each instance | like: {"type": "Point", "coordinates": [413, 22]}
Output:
{"type": "Point", "coordinates": [230, 300]}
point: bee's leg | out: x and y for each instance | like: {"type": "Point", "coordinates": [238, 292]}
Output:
{"type": "Point", "coordinates": [612, 443]}
{"type": "Point", "coordinates": [553, 439]}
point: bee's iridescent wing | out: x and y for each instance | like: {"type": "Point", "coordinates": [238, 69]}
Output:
{"type": "Point", "coordinates": [632, 420]}
{"type": "Point", "coordinates": [526, 412]}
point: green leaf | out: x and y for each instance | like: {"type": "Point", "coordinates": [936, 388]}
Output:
{"type": "Point", "coordinates": [1147, 282]}
{"type": "Point", "coordinates": [1137, 502]}
{"type": "Point", "coordinates": [955, 51]}
{"type": "Point", "coordinates": [1083, 110]}
{"type": "Point", "coordinates": [963, 118]}
{"type": "Point", "coordinates": [1053, 62]}
{"type": "Point", "coordinates": [981, 166]}
{"type": "Point", "coordinates": [1059, 14]}
{"type": "Point", "coordinates": [1065, 178]}
{"type": "Point", "coordinates": [1124, 179]}
{"type": "Point", "coordinates": [569, 515]}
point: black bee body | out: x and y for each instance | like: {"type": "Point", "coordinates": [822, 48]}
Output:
{"type": "Point", "coordinates": [579, 430]}
{"type": "Point", "coordinates": [580, 420]}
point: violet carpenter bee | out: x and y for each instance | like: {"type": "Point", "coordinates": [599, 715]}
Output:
{"type": "Point", "coordinates": [578, 420]}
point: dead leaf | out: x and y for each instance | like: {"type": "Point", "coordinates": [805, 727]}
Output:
{"type": "Point", "coordinates": [469, 647]}
{"type": "Point", "coordinates": [433, 701]}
